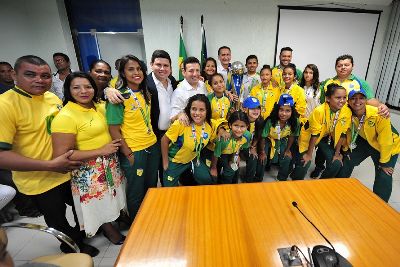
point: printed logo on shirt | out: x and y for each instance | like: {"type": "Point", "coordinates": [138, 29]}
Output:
{"type": "Point", "coordinates": [139, 172]}
{"type": "Point", "coordinates": [170, 178]}
{"type": "Point", "coordinates": [134, 107]}
{"type": "Point", "coordinates": [371, 123]}
{"type": "Point", "coordinates": [208, 163]}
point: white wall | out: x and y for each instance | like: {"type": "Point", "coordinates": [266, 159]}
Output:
{"type": "Point", "coordinates": [35, 27]}
{"type": "Point", "coordinates": [248, 27]}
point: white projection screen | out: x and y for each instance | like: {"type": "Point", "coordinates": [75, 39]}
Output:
{"type": "Point", "coordinates": [320, 35]}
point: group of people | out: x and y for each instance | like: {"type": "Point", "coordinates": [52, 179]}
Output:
{"type": "Point", "coordinates": [100, 143]}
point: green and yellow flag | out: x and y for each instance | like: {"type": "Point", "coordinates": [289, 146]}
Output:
{"type": "Point", "coordinates": [182, 51]}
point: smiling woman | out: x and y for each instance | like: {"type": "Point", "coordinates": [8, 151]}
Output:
{"type": "Point", "coordinates": [98, 186]}
{"type": "Point", "coordinates": [130, 122]}
{"type": "Point", "coordinates": [100, 71]}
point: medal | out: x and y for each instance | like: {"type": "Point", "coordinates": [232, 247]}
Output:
{"type": "Point", "coordinates": [353, 146]}
{"type": "Point", "coordinates": [234, 166]}
{"type": "Point", "coordinates": [355, 133]}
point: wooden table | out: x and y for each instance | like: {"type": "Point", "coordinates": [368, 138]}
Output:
{"type": "Point", "coordinates": [245, 224]}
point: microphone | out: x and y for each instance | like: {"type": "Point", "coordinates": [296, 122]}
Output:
{"type": "Point", "coordinates": [322, 260]}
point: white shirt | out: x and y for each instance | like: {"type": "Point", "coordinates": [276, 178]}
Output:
{"type": "Point", "coordinates": [249, 82]}
{"type": "Point", "coordinates": [57, 86]}
{"type": "Point", "coordinates": [164, 102]}
{"type": "Point", "coordinates": [182, 94]}
{"type": "Point", "coordinates": [312, 101]}
{"type": "Point", "coordinates": [223, 72]}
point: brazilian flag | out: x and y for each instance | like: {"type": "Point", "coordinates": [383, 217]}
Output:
{"type": "Point", "coordinates": [182, 54]}
{"type": "Point", "coordinates": [203, 56]}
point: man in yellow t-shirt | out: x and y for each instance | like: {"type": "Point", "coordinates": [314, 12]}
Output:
{"type": "Point", "coordinates": [25, 146]}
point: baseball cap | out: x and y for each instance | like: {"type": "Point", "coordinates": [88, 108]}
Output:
{"type": "Point", "coordinates": [286, 100]}
{"type": "Point", "coordinates": [357, 91]}
{"type": "Point", "coordinates": [251, 102]}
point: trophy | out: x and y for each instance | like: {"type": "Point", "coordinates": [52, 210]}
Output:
{"type": "Point", "coordinates": [237, 82]}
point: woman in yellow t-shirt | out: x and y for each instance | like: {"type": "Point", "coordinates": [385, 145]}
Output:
{"type": "Point", "coordinates": [98, 186]}
{"type": "Point", "coordinates": [130, 121]}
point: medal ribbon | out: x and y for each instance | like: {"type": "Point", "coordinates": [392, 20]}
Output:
{"type": "Point", "coordinates": [354, 134]}
{"type": "Point", "coordinates": [145, 112]}
{"type": "Point", "coordinates": [222, 114]}
{"type": "Point", "coordinates": [333, 125]}
{"type": "Point", "coordinates": [236, 156]}
{"type": "Point", "coordinates": [197, 145]}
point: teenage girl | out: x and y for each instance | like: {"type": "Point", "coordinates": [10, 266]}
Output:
{"type": "Point", "coordinates": [280, 130]}
{"type": "Point", "coordinates": [181, 145]}
{"type": "Point", "coordinates": [326, 128]}
{"type": "Point", "coordinates": [255, 155]}
{"type": "Point", "coordinates": [208, 70]}
{"type": "Point", "coordinates": [226, 153]}
{"type": "Point", "coordinates": [266, 93]}
{"type": "Point", "coordinates": [371, 135]}
{"type": "Point", "coordinates": [293, 89]}
{"type": "Point", "coordinates": [220, 103]}
{"type": "Point", "coordinates": [130, 121]}
{"type": "Point", "coordinates": [311, 85]}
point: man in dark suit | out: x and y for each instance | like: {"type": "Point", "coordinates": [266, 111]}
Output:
{"type": "Point", "coordinates": [161, 84]}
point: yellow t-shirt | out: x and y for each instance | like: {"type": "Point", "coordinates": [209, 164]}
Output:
{"type": "Point", "coordinates": [182, 146]}
{"type": "Point", "coordinates": [89, 125]}
{"type": "Point", "coordinates": [134, 120]}
{"type": "Point", "coordinates": [220, 106]}
{"type": "Point", "coordinates": [113, 81]}
{"type": "Point", "coordinates": [267, 97]}
{"type": "Point", "coordinates": [208, 87]}
{"type": "Point", "coordinates": [25, 129]}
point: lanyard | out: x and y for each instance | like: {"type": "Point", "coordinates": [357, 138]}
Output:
{"type": "Point", "coordinates": [198, 145]}
{"type": "Point", "coordinates": [145, 112]}
{"type": "Point", "coordinates": [222, 114]}
{"type": "Point", "coordinates": [264, 97]}
{"type": "Point", "coordinates": [278, 132]}
{"type": "Point", "coordinates": [333, 125]}
{"type": "Point", "coordinates": [253, 82]}
{"type": "Point", "coordinates": [354, 133]}
{"type": "Point", "coordinates": [236, 156]}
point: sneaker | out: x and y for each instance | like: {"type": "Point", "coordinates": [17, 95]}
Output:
{"type": "Point", "coordinates": [84, 248]}
{"type": "Point", "coordinates": [316, 173]}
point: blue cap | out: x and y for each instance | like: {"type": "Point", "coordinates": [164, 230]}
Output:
{"type": "Point", "coordinates": [357, 91]}
{"type": "Point", "coordinates": [286, 100]}
{"type": "Point", "coordinates": [251, 102]}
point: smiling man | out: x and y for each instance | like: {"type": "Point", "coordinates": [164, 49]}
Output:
{"type": "Point", "coordinates": [224, 57]}
{"type": "Point", "coordinates": [285, 57]}
{"type": "Point", "coordinates": [26, 146]}
{"type": "Point", "coordinates": [190, 86]}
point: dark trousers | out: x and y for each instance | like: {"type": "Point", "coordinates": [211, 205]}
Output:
{"type": "Point", "coordinates": [383, 182]}
{"type": "Point", "coordinates": [52, 205]}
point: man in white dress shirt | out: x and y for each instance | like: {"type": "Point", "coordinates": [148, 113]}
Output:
{"type": "Point", "coordinates": [190, 86]}
{"type": "Point", "coordinates": [224, 57]}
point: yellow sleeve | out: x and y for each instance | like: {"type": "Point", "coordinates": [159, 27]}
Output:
{"type": "Point", "coordinates": [64, 123]}
{"type": "Point", "coordinates": [113, 81]}
{"type": "Point", "coordinates": [175, 130]}
{"type": "Point", "coordinates": [316, 121]}
{"type": "Point", "coordinates": [385, 140]}
{"type": "Point", "coordinates": [8, 125]}
{"type": "Point", "coordinates": [215, 124]}
{"type": "Point", "coordinates": [301, 102]}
